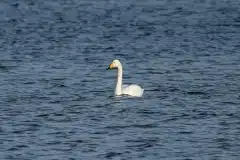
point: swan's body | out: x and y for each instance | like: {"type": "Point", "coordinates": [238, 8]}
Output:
{"type": "Point", "coordinates": [132, 90]}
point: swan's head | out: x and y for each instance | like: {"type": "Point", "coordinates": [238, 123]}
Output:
{"type": "Point", "coordinates": [115, 64]}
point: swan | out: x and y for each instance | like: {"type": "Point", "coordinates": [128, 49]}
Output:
{"type": "Point", "coordinates": [132, 90]}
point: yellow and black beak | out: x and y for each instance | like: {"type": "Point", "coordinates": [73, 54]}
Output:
{"type": "Point", "coordinates": [110, 66]}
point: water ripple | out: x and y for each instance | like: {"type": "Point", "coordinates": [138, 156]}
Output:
{"type": "Point", "coordinates": [57, 100]}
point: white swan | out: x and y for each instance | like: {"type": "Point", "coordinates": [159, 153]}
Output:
{"type": "Point", "coordinates": [132, 90]}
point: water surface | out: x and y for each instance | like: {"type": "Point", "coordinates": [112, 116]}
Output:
{"type": "Point", "coordinates": [56, 97]}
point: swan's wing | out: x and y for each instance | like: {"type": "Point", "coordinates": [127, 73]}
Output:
{"type": "Point", "coordinates": [133, 89]}
{"type": "Point", "coordinates": [125, 89]}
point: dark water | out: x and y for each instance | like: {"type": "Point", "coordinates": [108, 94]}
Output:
{"type": "Point", "coordinates": [56, 98]}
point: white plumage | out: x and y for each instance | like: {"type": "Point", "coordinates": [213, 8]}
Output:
{"type": "Point", "coordinates": [132, 90]}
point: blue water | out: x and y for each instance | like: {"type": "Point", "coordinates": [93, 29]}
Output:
{"type": "Point", "coordinates": [57, 98]}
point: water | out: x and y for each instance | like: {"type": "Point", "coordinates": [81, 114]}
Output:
{"type": "Point", "coordinates": [56, 98]}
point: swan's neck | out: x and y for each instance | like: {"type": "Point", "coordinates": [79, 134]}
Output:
{"type": "Point", "coordinates": [118, 90]}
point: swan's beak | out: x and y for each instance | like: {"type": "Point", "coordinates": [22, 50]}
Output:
{"type": "Point", "coordinates": [110, 66]}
